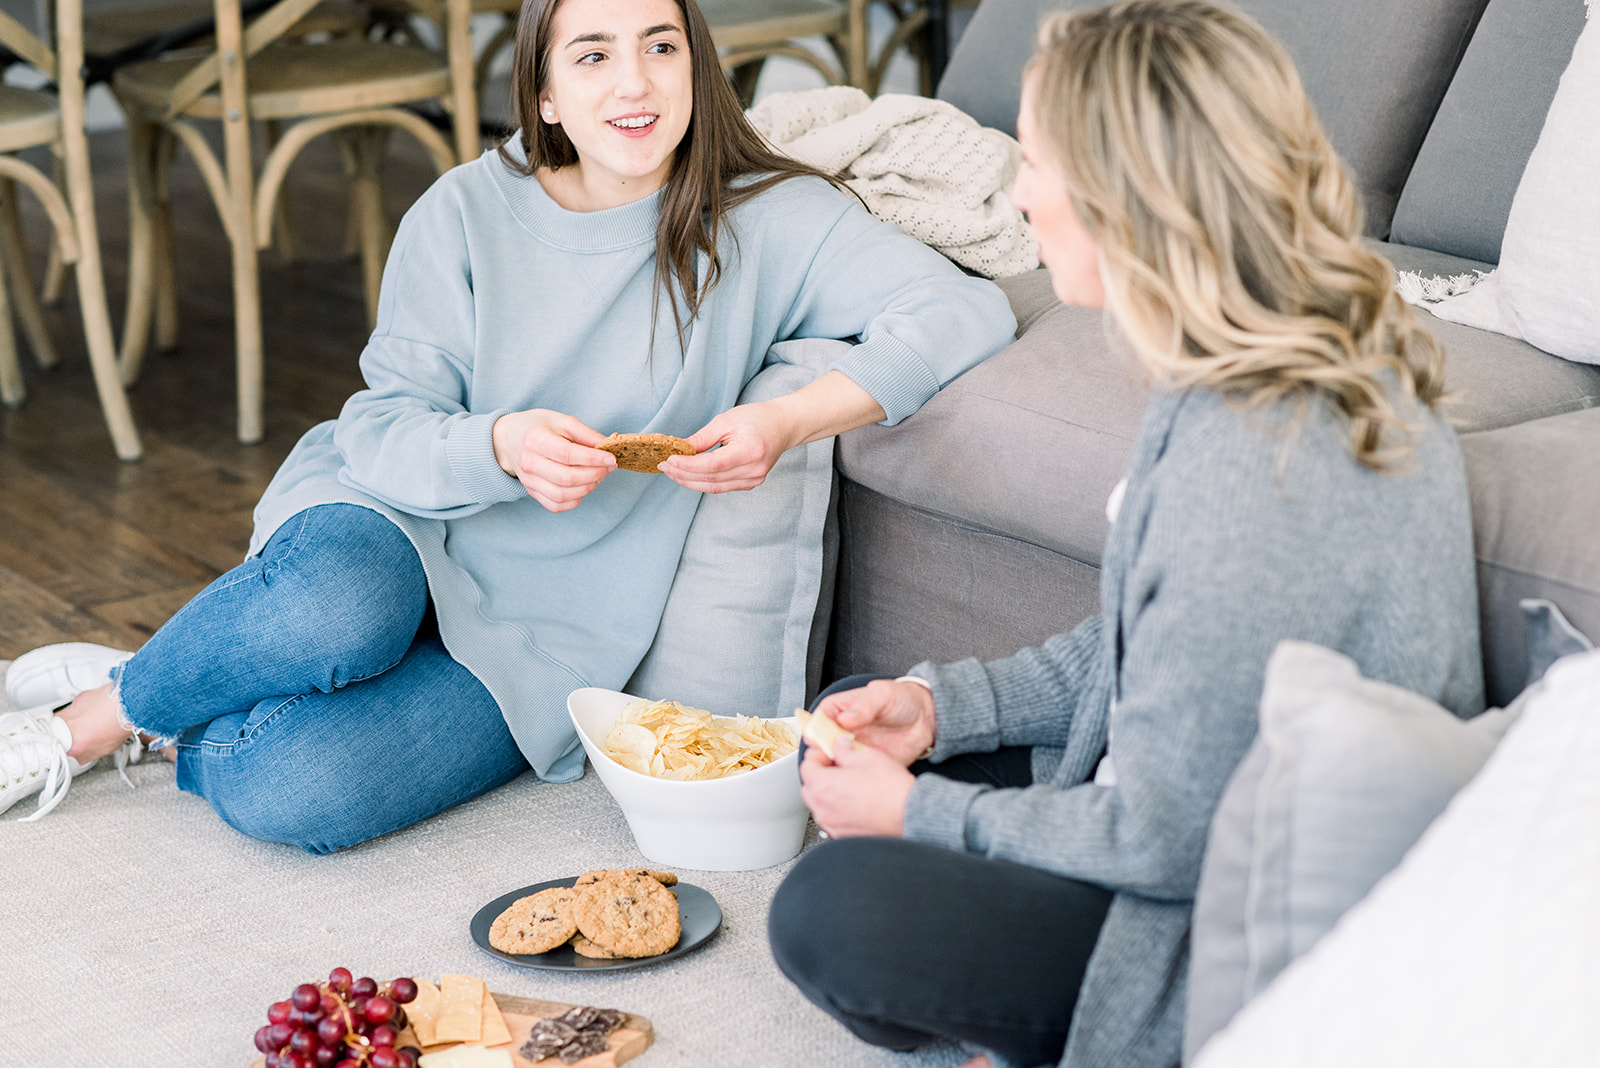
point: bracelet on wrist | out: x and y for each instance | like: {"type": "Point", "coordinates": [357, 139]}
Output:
{"type": "Point", "coordinates": [926, 685]}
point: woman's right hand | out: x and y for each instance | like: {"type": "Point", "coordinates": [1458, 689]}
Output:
{"type": "Point", "coordinates": [552, 455]}
{"type": "Point", "coordinates": [897, 718]}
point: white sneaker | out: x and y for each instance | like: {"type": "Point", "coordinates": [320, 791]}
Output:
{"type": "Point", "coordinates": [34, 760]}
{"type": "Point", "coordinates": [52, 674]}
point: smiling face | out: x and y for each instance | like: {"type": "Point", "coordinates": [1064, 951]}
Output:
{"type": "Point", "coordinates": [620, 86]}
{"type": "Point", "coordinates": [1040, 191]}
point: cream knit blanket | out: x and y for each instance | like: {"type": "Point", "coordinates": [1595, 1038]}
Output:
{"type": "Point", "coordinates": [916, 162]}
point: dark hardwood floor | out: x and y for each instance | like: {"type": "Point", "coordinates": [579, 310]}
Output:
{"type": "Point", "coordinates": [95, 549]}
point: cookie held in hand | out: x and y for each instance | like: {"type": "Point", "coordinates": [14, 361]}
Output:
{"type": "Point", "coordinates": [644, 452]}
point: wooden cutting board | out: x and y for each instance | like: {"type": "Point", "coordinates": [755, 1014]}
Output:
{"type": "Point", "coordinates": [627, 1042]}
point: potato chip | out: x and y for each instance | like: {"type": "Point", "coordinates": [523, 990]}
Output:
{"type": "Point", "coordinates": [669, 740]}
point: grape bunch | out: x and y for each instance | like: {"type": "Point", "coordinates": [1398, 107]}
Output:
{"type": "Point", "coordinates": [342, 1023]}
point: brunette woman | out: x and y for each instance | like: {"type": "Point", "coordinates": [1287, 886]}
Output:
{"type": "Point", "coordinates": [423, 589]}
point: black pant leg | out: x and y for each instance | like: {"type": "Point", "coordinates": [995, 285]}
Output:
{"type": "Point", "coordinates": [903, 942]}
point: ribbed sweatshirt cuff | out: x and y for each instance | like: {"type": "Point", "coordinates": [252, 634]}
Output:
{"type": "Point", "coordinates": [967, 719]}
{"type": "Point", "coordinates": [896, 377]}
{"type": "Point", "coordinates": [936, 810]}
{"type": "Point", "coordinates": [469, 450]}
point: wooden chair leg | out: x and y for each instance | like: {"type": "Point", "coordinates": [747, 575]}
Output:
{"type": "Point", "coordinates": [141, 249]}
{"type": "Point", "coordinates": [55, 269]}
{"type": "Point", "coordinates": [13, 388]}
{"type": "Point", "coordinates": [25, 302]}
{"type": "Point", "coordinates": [283, 231]}
{"type": "Point", "coordinates": [166, 278]}
{"type": "Point", "coordinates": [365, 150]}
{"type": "Point", "coordinates": [91, 286]}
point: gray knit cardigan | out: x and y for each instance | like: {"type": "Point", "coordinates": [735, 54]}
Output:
{"type": "Point", "coordinates": [1238, 529]}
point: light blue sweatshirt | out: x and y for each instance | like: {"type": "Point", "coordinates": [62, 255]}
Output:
{"type": "Point", "coordinates": [495, 299]}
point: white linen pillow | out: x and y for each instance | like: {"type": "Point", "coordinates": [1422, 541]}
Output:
{"type": "Point", "coordinates": [1546, 289]}
{"type": "Point", "coordinates": [1343, 777]}
{"type": "Point", "coordinates": [737, 632]}
{"type": "Point", "coordinates": [1479, 950]}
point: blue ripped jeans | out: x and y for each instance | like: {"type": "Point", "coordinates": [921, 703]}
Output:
{"type": "Point", "coordinates": [310, 697]}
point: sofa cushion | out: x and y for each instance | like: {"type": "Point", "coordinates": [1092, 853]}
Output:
{"type": "Point", "coordinates": [1478, 951]}
{"type": "Point", "coordinates": [1029, 443]}
{"type": "Point", "coordinates": [763, 660]}
{"type": "Point", "coordinates": [1345, 774]}
{"type": "Point", "coordinates": [1374, 69]}
{"type": "Point", "coordinates": [1496, 380]}
{"type": "Point", "coordinates": [1545, 288]}
{"type": "Point", "coordinates": [916, 586]}
{"type": "Point", "coordinates": [1459, 193]}
{"type": "Point", "coordinates": [1535, 512]}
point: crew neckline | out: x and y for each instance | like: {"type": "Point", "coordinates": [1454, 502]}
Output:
{"type": "Point", "coordinates": [606, 230]}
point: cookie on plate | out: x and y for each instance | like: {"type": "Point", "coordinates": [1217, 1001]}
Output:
{"type": "Point", "coordinates": [585, 948]}
{"type": "Point", "coordinates": [537, 923]}
{"type": "Point", "coordinates": [665, 878]}
{"type": "Point", "coordinates": [644, 452]}
{"type": "Point", "coordinates": [629, 914]}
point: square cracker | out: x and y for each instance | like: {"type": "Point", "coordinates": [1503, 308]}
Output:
{"type": "Point", "coordinates": [423, 1012]}
{"type": "Point", "coordinates": [495, 1031]}
{"type": "Point", "coordinates": [460, 1009]}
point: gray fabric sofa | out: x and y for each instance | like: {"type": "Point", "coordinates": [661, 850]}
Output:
{"type": "Point", "coordinates": [975, 528]}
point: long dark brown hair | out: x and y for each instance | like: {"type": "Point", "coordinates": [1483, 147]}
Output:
{"type": "Point", "coordinates": [718, 147]}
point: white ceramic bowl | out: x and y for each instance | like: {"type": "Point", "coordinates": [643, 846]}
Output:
{"type": "Point", "coordinates": [752, 820]}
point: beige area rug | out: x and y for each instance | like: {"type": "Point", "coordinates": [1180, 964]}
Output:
{"type": "Point", "coordinates": [143, 932]}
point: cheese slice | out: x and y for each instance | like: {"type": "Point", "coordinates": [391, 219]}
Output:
{"type": "Point", "coordinates": [466, 1057]}
{"type": "Point", "coordinates": [423, 1012]}
{"type": "Point", "coordinates": [495, 1031]}
{"type": "Point", "coordinates": [460, 1009]}
{"type": "Point", "coordinates": [822, 732]}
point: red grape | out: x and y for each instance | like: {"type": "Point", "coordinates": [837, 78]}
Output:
{"type": "Point", "coordinates": [403, 990]}
{"type": "Point", "coordinates": [379, 1010]}
{"type": "Point", "coordinates": [331, 1003]}
{"type": "Point", "coordinates": [331, 1030]}
{"type": "Point", "coordinates": [385, 1035]}
{"type": "Point", "coordinates": [326, 1055]}
{"type": "Point", "coordinates": [278, 1035]}
{"type": "Point", "coordinates": [384, 1057]}
{"type": "Point", "coordinates": [262, 1042]}
{"type": "Point", "coordinates": [364, 987]}
{"type": "Point", "coordinates": [400, 1017]}
{"type": "Point", "coordinates": [303, 1041]}
{"type": "Point", "coordinates": [408, 1056]}
{"type": "Point", "coordinates": [278, 1012]}
{"type": "Point", "coordinates": [306, 997]}
{"type": "Point", "coordinates": [340, 979]}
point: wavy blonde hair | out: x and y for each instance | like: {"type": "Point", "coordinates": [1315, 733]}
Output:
{"type": "Point", "coordinates": [1228, 229]}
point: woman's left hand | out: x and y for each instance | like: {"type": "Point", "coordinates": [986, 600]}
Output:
{"type": "Point", "coordinates": [751, 436]}
{"type": "Point", "coordinates": [861, 791]}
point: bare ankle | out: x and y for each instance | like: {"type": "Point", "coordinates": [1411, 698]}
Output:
{"type": "Point", "coordinates": [96, 730]}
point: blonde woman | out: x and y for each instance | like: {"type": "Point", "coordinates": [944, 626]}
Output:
{"type": "Point", "coordinates": [1027, 890]}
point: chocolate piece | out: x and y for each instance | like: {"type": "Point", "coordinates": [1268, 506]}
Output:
{"type": "Point", "coordinates": [579, 1017]}
{"type": "Point", "coordinates": [546, 1038]}
{"type": "Point", "coordinates": [607, 1021]}
{"type": "Point", "coordinates": [587, 1044]}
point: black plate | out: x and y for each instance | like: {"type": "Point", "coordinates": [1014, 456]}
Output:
{"type": "Point", "coordinates": [698, 912]}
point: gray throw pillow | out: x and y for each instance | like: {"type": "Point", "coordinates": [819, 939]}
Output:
{"type": "Point", "coordinates": [736, 635]}
{"type": "Point", "coordinates": [1344, 776]}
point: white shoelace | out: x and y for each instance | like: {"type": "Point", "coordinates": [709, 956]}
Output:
{"type": "Point", "coordinates": [129, 752]}
{"type": "Point", "coordinates": [25, 742]}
